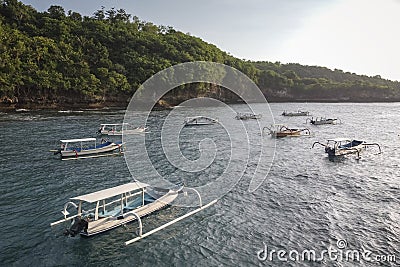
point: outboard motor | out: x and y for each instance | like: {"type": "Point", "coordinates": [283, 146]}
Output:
{"type": "Point", "coordinates": [78, 225]}
{"type": "Point", "coordinates": [58, 151]}
{"type": "Point", "coordinates": [330, 151]}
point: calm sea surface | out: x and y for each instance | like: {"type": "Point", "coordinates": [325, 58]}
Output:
{"type": "Point", "coordinates": [306, 202]}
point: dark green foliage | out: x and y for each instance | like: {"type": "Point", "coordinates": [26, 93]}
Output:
{"type": "Point", "coordinates": [57, 57]}
{"type": "Point", "coordinates": [299, 82]}
{"type": "Point", "coordinates": [53, 55]}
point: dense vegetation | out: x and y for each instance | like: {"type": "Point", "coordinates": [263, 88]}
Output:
{"type": "Point", "coordinates": [295, 81]}
{"type": "Point", "coordinates": [61, 58]}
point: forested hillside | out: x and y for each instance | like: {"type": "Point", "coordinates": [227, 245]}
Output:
{"type": "Point", "coordinates": [313, 83]}
{"type": "Point", "coordinates": [61, 58]}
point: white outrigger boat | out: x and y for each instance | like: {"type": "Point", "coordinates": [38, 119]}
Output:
{"type": "Point", "coordinates": [280, 130]}
{"type": "Point", "coordinates": [199, 120]}
{"type": "Point", "coordinates": [107, 209]}
{"type": "Point", "coordinates": [247, 116]}
{"type": "Point", "coordinates": [113, 129]}
{"type": "Point", "coordinates": [321, 120]}
{"type": "Point", "coordinates": [87, 147]}
{"type": "Point", "coordinates": [297, 113]}
{"type": "Point", "coordinates": [339, 147]}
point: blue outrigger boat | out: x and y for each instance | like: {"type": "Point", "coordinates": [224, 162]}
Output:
{"type": "Point", "coordinates": [339, 147]}
{"type": "Point", "coordinates": [87, 147]}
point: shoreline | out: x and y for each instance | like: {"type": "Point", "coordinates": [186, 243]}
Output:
{"type": "Point", "coordinates": [123, 105]}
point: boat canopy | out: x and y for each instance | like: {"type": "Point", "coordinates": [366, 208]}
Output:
{"type": "Point", "coordinates": [276, 126]}
{"type": "Point", "coordinates": [110, 192]}
{"type": "Point", "coordinates": [114, 124]}
{"type": "Point", "coordinates": [200, 118]}
{"type": "Point", "coordinates": [78, 140]}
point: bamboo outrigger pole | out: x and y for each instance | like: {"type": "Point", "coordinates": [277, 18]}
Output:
{"type": "Point", "coordinates": [167, 224]}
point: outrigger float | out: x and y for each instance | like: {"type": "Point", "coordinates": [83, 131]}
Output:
{"type": "Point", "coordinates": [297, 113]}
{"type": "Point", "coordinates": [107, 209]}
{"type": "Point", "coordinates": [279, 130]}
{"type": "Point", "coordinates": [87, 148]}
{"type": "Point", "coordinates": [339, 147]}
{"type": "Point", "coordinates": [247, 116]}
{"type": "Point", "coordinates": [199, 120]}
{"type": "Point", "coordinates": [117, 129]}
{"type": "Point", "coordinates": [320, 121]}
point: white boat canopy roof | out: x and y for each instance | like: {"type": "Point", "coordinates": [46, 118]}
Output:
{"type": "Point", "coordinates": [78, 140]}
{"type": "Point", "coordinates": [200, 117]}
{"type": "Point", "coordinates": [110, 192]}
{"type": "Point", "coordinates": [196, 117]}
{"type": "Point", "coordinates": [113, 124]}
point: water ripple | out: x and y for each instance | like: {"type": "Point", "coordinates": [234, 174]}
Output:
{"type": "Point", "coordinates": [306, 201]}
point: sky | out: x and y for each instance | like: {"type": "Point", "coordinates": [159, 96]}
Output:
{"type": "Point", "coordinates": [357, 36]}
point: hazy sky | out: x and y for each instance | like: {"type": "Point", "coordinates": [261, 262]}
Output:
{"type": "Point", "coordinates": [359, 36]}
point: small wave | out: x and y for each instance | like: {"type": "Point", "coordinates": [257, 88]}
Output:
{"type": "Point", "coordinates": [70, 111]}
{"type": "Point", "coordinates": [302, 176]}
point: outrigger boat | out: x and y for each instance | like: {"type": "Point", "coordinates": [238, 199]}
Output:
{"type": "Point", "coordinates": [320, 121]}
{"type": "Point", "coordinates": [199, 120]}
{"type": "Point", "coordinates": [113, 129]}
{"type": "Point", "coordinates": [297, 113]}
{"type": "Point", "coordinates": [87, 147]}
{"type": "Point", "coordinates": [339, 147]}
{"type": "Point", "coordinates": [247, 116]}
{"type": "Point", "coordinates": [107, 209]}
{"type": "Point", "coordinates": [279, 130]}
{"type": "Point", "coordinates": [103, 210]}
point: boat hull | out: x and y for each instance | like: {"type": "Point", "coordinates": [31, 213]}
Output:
{"type": "Point", "coordinates": [296, 114]}
{"type": "Point", "coordinates": [88, 152]}
{"type": "Point", "coordinates": [348, 149]}
{"type": "Point", "coordinates": [119, 133]}
{"type": "Point", "coordinates": [198, 124]}
{"type": "Point", "coordinates": [287, 133]}
{"type": "Point", "coordinates": [108, 223]}
{"type": "Point", "coordinates": [248, 117]}
{"type": "Point", "coordinates": [322, 122]}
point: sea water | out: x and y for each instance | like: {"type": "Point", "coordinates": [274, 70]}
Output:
{"type": "Point", "coordinates": [305, 203]}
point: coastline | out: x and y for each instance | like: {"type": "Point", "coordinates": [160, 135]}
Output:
{"type": "Point", "coordinates": [161, 105]}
